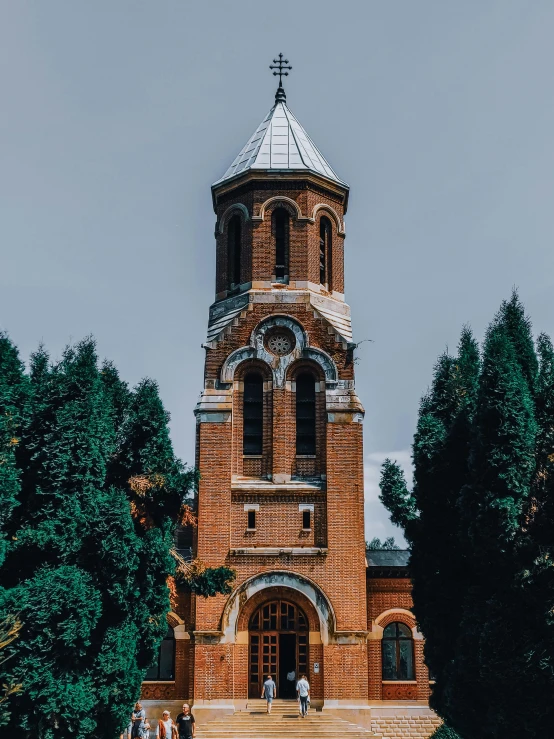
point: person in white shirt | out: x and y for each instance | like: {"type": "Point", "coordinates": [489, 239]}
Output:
{"type": "Point", "coordinates": [303, 692]}
{"type": "Point", "coordinates": [166, 728]}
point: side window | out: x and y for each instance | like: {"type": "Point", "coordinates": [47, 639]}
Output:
{"type": "Point", "coordinates": [280, 227]}
{"type": "Point", "coordinates": [305, 414]}
{"type": "Point", "coordinates": [306, 519]}
{"type": "Point", "coordinates": [325, 252]}
{"type": "Point", "coordinates": [251, 520]}
{"type": "Point", "coordinates": [253, 414]}
{"type": "Point", "coordinates": [234, 244]}
{"type": "Point", "coordinates": [398, 652]}
{"type": "Point", "coordinates": [164, 667]}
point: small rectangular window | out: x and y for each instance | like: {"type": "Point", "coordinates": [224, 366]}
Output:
{"type": "Point", "coordinates": [251, 520]}
{"type": "Point", "coordinates": [306, 519]}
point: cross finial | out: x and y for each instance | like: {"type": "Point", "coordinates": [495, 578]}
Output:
{"type": "Point", "coordinates": [281, 66]}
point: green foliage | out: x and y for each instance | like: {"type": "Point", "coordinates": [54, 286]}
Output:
{"type": "Point", "coordinates": [376, 544]}
{"type": "Point", "coordinates": [14, 390]}
{"type": "Point", "coordinates": [480, 521]}
{"type": "Point", "coordinates": [211, 581]}
{"type": "Point", "coordinates": [10, 627]}
{"type": "Point", "coordinates": [90, 496]}
{"type": "Point", "coordinates": [444, 732]}
{"type": "Point", "coordinates": [395, 495]}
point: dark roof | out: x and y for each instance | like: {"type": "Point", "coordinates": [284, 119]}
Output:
{"type": "Point", "coordinates": [387, 557]}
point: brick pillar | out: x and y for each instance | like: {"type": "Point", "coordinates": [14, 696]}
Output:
{"type": "Point", "coordinates": [374, 669]}
{"type": "Point", "coordinates": [283, 443]}
{"type": "Point", "coordinates": [422, 673]}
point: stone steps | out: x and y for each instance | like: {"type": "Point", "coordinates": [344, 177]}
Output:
{"type": "Point", "coordinates": [284, 723]}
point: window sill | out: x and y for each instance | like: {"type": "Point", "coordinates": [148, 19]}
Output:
{"type": "Point", "coordinates": [167, 682]}
{"type": "Point", "coordinates": [399, 682]}
{"type": "Point", "coordinates": [252, 456]}
{"type": "Point", "coordinates": [306, 456]}
{"type": "Point", "coordinates": [306, 531]}
{"type": "Point", "coordinates": [251, 531]}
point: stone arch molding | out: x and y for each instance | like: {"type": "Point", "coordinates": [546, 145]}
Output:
{"type": "Point", "coordinates": [280, 199]}
{"type": "Point", "coordinates": [235, 208]}
{"type": "Point", "coordinates": [279, 365]}
{"type": "Point", "coordinates": [279, 578]}
{"type": "Point", "coordinates": [178, 625]}
{"type": "Point", "coordinates": [332, 212]}
{"type": "Point", "coordinates": [396, 614]}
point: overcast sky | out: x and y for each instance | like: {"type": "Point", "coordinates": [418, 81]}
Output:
{"type": "Point", "coordinates": [118, 115]}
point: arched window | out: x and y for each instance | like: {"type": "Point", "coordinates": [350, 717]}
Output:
{"type": "Point", "coordinates": [305, 414]}
{"type": "Point", "coordinates": [325, 252]}
{"type": "Point", "coordinates": [253, 415]}
{"type": "Point", "coordinates": [234, 237]}
{"type": "Point", "coordinates": [280, 226]}
{"type": "Point", "coordinates": [164, 667]}
{"type": "Point", "coordinates": [398, 652]}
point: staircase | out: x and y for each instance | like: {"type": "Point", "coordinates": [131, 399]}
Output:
{"type": "Point", "coordinates": [283, 723]}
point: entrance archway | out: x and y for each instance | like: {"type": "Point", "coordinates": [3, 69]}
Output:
{"type": "Point", "coordinates": [278, 646]}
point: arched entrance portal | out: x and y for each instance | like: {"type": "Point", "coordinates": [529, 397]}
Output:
{"type": "Point", "coordinates": [278, 637]}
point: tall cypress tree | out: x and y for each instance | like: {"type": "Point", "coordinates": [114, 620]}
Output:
{"type": "Point", "coordinates": [480, 529]}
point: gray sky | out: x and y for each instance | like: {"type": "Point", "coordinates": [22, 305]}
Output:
{"type": "Point", "coordinates": [118, 115]}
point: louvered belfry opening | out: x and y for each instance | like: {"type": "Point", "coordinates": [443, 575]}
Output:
{"type": "Point", "coordinates": [281, 230]}
{"type": "Point", "coordinates": [325, 253]}
{"type": "Point", "coordinates": [234, 245]}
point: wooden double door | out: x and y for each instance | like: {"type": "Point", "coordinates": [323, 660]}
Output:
{"type": "Point", "coordinates": [278, 647]}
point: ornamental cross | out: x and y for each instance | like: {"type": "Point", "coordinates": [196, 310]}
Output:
{"type": "Point", "coordinates": [280, 65]}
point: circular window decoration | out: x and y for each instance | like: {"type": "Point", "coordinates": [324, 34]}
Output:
{"type": "Point", "coordinates": [280, 342]}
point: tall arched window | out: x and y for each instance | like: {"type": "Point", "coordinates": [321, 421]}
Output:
{"type": "Point", "coordinates": [398, 652]}
{"type": "Point", "coordinates": [305, 414]}
{"type": "Point", "coordinates": [234, 237]}
{"type": "Point", "coordinates": [325, 252]}
{"type": "Point", "coordinates": [164, 667]}
{"type": "Point", "coordinates": [280, 227]}
{"type": "Point", "coordinates": [253, 414]}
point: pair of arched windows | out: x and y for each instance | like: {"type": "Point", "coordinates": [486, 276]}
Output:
{"type": "Point", "coordinates": [398, 652]}
{"type": "Point", "coordinates": [253, 414]}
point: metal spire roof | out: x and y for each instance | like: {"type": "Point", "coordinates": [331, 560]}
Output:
{"type": "Point", "coordinates": [280, 143]}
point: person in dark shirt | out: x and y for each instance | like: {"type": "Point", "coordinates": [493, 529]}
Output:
{"type": "Point", "coordinates": [185, 723]}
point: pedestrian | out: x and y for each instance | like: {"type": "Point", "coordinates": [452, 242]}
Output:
{"type": "Point", "coordinates": [303, 691]}
{"type": "Point", "coordinates": [166, 729]}
{"type": "Point", "coordinates": [269, 692]}
{"type": "Point", "coordinates": [139, 725]}
{"type": "Point", "coordinates": [185, 723]}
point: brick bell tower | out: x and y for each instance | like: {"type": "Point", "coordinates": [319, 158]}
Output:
{"type": "Point", "coordinates": [279, 435]}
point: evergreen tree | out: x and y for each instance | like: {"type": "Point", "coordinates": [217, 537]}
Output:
{"type": "Point", "coordinates": [96, 492]}
{"type": "Point", "coordinates": [376, 544]}
{"type": "Point", "coordinates": [14, 389]}
{"type": "Point", "coordinates": [480, 524]}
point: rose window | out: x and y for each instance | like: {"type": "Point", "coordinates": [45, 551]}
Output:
{"type": "Point", "coordinates": [280, 343]}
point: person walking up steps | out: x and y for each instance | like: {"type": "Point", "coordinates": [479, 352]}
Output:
{"type": "Point", "coordinates": [269, 692]}
{"type": "Point", "coordinates": [303, 690]}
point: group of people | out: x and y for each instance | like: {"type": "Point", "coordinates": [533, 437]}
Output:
{"type": "Point", "coordinates": [166, 728]}
{"type": "Point", "coordinates": [269, 692]}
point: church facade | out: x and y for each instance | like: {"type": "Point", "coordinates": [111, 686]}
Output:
{"type": "Point", "coordinates": [279, 449]}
